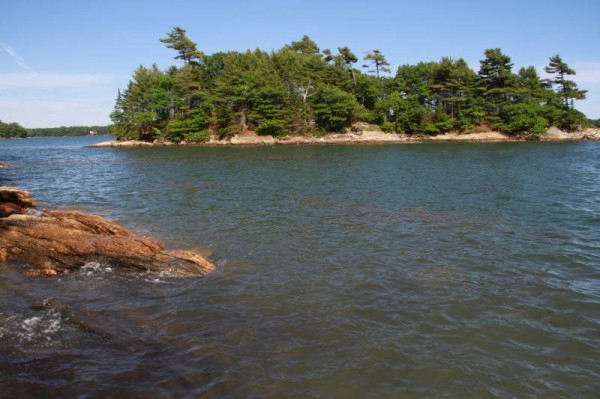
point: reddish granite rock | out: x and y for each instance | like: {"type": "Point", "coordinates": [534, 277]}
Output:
{"type": "Point", "coordinates": [8, 208]}
{"type": "Point", "coordinates": [59, 242]}
{"type": "Point", "coordinates": [16, 196]}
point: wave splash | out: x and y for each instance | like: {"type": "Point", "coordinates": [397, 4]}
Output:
{"type": "Point", "coordinates": [36, 329]}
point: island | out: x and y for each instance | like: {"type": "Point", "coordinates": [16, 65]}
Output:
{"type": "Point", "coordinates": [302, 94]}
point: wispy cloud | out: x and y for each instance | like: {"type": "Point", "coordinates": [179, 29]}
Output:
{"type": "Point", "coordinates": [33, 113]}
{"type": "Point", "coordinates": [29, 78]}
{"type": "Point", "coordinates": [36, 80]}
{"type": "Point", "coordinates": [16, 57]}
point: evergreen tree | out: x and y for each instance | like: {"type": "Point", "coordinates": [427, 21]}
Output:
{"type": "Point", "coordinates": [333, 109]}
{"type": "Point", "coordinates": [298, 90]}
{"type": "Point", "coordinates": [495, 81]}
{"type": "Point", "coordinates": [528, 85]}
{"type": "Point", "coordinates": [567, 89]}
{"type": "Point", "coordinates": [348, 59]}
{"type": "Point", "coordinates": [378, 61]}
{"type": "Point", "coordinates": [12, 130]}
{"type": "Point", "coordinates": [305, 46]}
{"type": "Point", "coordinates": [186, 49]}
{"type": "Point", "coordinates": [452, 85]}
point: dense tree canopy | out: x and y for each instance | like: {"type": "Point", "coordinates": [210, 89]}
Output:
{"type": "Point", "coordinates": [10, 130]}
{"type": "Point", "coordinates": [303, 90]}
{"type": "Point", "coordinates": [14, 130]}
{"type": "Point", "coordinates": [68, 131]}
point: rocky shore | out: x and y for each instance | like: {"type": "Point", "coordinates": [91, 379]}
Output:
{"type": "Point", "coordinates": [364, 134]}
{"type": "Point", "coordinates": [51, 242]}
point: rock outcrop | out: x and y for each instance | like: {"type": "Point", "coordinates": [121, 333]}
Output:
{"type": "Point", "coordinates": [8, 208]}
{"type": "Point", "coordinates": [15, 196]}
{"type": "Point", "coordinates": [58, 242]}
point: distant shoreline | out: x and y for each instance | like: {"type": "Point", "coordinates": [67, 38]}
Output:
{"type": "Point", "coordinates": [365, 137]}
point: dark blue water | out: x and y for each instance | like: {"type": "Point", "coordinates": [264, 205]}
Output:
{"type": "Point", "coordinates": [429, 270]}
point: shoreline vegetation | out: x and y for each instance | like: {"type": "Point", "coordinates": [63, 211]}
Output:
{"type": "Point", "coordinates": [302, 94]}
{"type": "Point", "coordinates": [14, 130]}
{"type": "Point", "coordinates": [364, 135]}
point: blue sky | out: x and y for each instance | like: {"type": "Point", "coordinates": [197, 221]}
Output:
{"type": "Point", "coordinates": [62, 62]}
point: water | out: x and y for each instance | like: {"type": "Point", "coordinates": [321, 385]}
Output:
{"type": "Point", "coordinates": [430, 270]}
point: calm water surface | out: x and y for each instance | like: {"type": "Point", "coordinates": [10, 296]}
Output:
{"type": "Point", "coordinates": [440, 270]}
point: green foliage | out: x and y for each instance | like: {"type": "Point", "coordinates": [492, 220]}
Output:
{"type": "Point", "coordinates": [571, 120]}
{"type": "Point", "coordinates": [526, 117]}
{"type": "Point", "coordinates": [388, 127]}
{"type": "Point", "coordinates": [271, 127]}
{"type": "Point", "coordinates": [187, 128]}
{"type": "Point", "coordinates": [197, 137]}
{"type": "Point", "coordinates": [378, 62]}
{"type": "Point", "coordinates": [495, 82]}
{"type": "Point", "coordinates": [299, 90]}
{"type": "Point", "coordinates": [305, 46]}
{"type": "Point", "coordinates": [186, 49]}
{"type": "Point", "coordinates": [567, 90]}
{"type": "Point", "coordinates": [68, 131]}
{"type": "Point", "coordinates": [12, 130]}
{"type": "Point", "coordinates": [333, 109]}
{"type": "Point", "coordinates": [595, 122]}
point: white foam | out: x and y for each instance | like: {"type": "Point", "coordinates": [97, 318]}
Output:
{"type": "Point", "coordinates": [91, 268]}
{"type": "Point", "coordinates": [31, 329]}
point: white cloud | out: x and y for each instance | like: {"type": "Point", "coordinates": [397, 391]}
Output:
{"type": "Point", "coordinates": [16, 57]}
{"type": "Point", "coordinates": [33, 113]}
{"type": "Point", "coordinates": [36, 80]}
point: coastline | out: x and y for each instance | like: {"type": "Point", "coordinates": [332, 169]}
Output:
{"type": "Point", "coordinates": [361, 137]}
{"type": "Point", "coordinates": [49, 243]}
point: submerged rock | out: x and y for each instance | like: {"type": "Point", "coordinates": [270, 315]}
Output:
{"type": "Point", "coordinates": [59, 242]}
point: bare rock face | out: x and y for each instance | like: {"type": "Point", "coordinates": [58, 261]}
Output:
{"type": "Point", "coordinates": [8, 208]}
{"type": "Point", "coordinates": [15, 196]}
{"type": "Point", "coordinates": [59, 242]}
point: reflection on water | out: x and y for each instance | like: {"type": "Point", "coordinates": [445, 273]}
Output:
{"type": "Point", "coordinates": [460, 270]}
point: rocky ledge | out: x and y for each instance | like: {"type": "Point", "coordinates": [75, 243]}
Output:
{"type": "Point", "coordinates": [51, 242]}
{"type": "Point", "coordinates": [363, 133]}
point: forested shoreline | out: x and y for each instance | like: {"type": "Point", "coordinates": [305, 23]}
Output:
{"type": "Point", "coordinates": [301, 90]}
{"type": "Point", "coordinates": [70, 131]}
{"type": "Point", "coordinates": [15, 130]}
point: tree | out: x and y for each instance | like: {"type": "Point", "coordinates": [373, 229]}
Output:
{"type": "Point", "coordinates": [12, 130]}
{"type": "Point", "coordinates": [186, 49]}
{"type": "Point", "coordinates": [495, 80]}
{"type": "Point", "coordinates": [452, 84]}
{"type": "Point", "coordinates": [305, 46]}
{"type": "Point", "coordinates": [524, 117]}
{"type": "Point", "coordinates": [378, 61]}
{"type": "Point", "coordinates": [333, 109]}
{"type": "Point", "coordinates": [567, 89]}
{"type": "Point", "coordinates": [298, 90]}
{"type": "Point", "coordinates": [348, 59]}
{"type": "Point", "coordinates": [528, 84]}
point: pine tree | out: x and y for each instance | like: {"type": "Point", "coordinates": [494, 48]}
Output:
{"type": "Point", "coordinates": [567, 89]}
{"type": "Point", "coordinates": [378, 61]}
{"type": "Point", "coordinates": [495, 80]}
{"type": "Point", "coordinates": [348, 58]}
{"type": "Point", "coordinates": [186, 49]}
